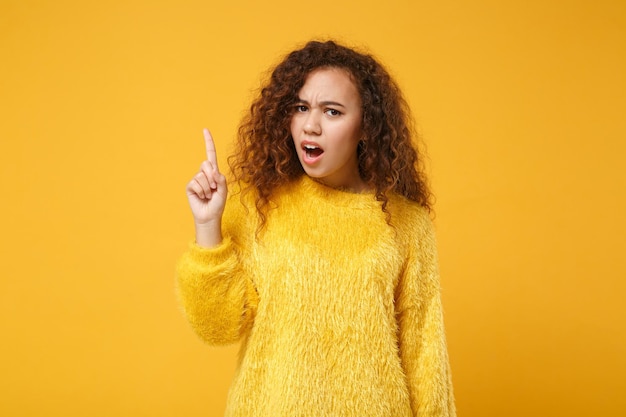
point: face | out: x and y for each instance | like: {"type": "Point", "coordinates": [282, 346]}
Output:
{"type": "Point", "coordinates": [326, 128]}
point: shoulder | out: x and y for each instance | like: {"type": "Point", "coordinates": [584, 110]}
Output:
{"type": "Point", "coordinates": [240, 212]}
{"type": "Point", "coordinates": [409, 214]}
{"type": "Point", "coordinates": [413, 226]}
{"type": "Point", "coordinates": [241, 195]}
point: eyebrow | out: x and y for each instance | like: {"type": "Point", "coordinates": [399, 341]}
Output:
{"type": "Point", "coordinates": [323, 103]}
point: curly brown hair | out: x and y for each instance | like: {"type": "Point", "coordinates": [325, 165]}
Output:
{"type": "Point", "coordinates": [266, 157]}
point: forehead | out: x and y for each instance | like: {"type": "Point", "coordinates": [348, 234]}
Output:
{"type": "Point", "coordinates": [335, 82]}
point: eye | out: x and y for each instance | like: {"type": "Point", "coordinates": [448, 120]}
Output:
{"type": "Point", "coordinates": [300, 108]}
{"type": "Point", "coordinates": [333, 112]}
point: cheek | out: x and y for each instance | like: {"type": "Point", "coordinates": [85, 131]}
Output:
{"type": "Point", "coordinates": [350, 143]}
{"type": "Point", "coordinates": [355, 135]}
{"type": "Point", "coordinates": [293, 125]}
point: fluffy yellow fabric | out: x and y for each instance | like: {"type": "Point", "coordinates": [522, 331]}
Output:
{"type": "Point", "coordinates": [338, 313]}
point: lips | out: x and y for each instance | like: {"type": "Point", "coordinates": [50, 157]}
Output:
{"type": "Point", "coordinates": [312, 151]}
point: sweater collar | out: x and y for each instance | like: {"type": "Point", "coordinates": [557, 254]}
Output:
{"type": "Point", "coordinates": [337, 196]}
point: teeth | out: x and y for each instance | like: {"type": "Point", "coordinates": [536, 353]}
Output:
{"type": "Point", "coordinates": [310, 147]}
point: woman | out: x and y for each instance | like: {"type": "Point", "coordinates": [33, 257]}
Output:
{"type": "Point", "coordinates": [322, 262]}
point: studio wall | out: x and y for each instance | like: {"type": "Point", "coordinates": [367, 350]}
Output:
{"type": "Point", "coordinates": [521, 105]}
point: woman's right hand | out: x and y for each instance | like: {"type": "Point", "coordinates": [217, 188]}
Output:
{"type": "Point", "coordinates": [207, 192]}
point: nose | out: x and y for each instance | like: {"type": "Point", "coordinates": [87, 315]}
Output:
{"type": "Point", "coordinates": [312, 124]}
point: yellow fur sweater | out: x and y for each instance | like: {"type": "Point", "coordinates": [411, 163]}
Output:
{"type": "Point", "coordinates": [338, 313]}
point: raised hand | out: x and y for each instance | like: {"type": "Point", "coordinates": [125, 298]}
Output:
{"type": "Point", "coordinates": [207, 192]}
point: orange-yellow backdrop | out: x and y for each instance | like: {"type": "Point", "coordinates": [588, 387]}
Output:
{"type": "Point", "coordinates": [523, 108]}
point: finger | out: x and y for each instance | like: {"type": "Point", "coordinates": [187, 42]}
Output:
{"type": "Point", "coordinates": [210, 172]}
{"type": "Point", "coordinates": [195, 188]}
{"type": "Point", "coordinates": [221, 180]}
{"type": "Point", "coordinates": [202, 180]}
{"type": "Point", "coordinates": [211, 155]}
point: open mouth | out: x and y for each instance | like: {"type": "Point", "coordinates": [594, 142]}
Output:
{"type": "Point", "coordinates": [312, 151]}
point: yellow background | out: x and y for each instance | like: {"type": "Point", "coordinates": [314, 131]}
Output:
{"type": "Point", "coordinates": [523, 108]}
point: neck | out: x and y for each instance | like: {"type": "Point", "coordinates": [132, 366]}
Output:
{"type": "Point", "coordinates": [358, 187]}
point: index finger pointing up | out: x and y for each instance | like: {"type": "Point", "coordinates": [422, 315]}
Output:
{"type": "Point", "coordinates": [210, 148]}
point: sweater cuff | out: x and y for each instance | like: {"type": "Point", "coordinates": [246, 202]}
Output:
{"type": "Point", "coordinates": [218, 254]}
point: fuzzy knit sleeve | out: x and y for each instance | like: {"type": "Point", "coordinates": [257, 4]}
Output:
{"type": "Point", "coordinates": [216, 291]}
{"type": "Point", "coordinates": [422, 338]}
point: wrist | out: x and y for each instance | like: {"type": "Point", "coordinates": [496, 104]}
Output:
{"type": "Point", "coordinates": [209, 234]}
